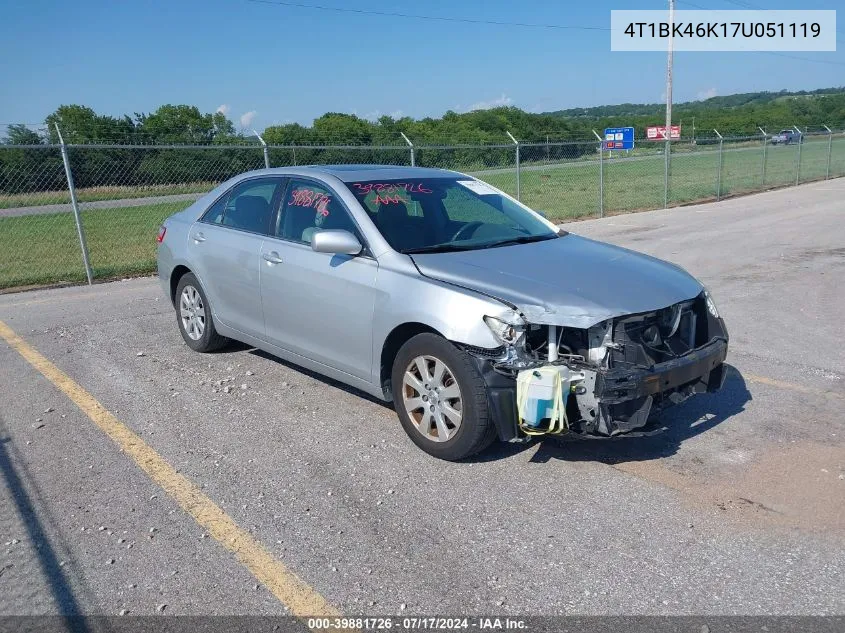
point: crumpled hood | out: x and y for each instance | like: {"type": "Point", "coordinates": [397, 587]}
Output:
{"type": "Point", "coordinates": [570, 281]}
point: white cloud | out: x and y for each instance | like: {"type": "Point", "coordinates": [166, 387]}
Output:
{"type": "Point", "coordinates": [247, 118]}
{"type": "Point", "coordinates": [706, 94]}
{"type": "Point", "coordinates": [224, 109]}
{"type": "Point", "coordinates": [503, 100]}
{"type": "Point", "coordinates": [375, 115]}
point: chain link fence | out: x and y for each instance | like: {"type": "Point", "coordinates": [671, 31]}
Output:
{"type": "Point", "coordinates": [123, 193]}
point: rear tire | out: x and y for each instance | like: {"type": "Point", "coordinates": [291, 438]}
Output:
{"type": "Point", "coordinates": [441, 399]}
{"type": "Point", "coordinates": [193, 315]}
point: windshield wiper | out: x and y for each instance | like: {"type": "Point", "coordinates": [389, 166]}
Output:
{"type": "Point", "coordinates": [523, 239]}
{"type": "Point", "coordinates": [450, 248]}
{"type": "Point", "coordinates": [437, 248]}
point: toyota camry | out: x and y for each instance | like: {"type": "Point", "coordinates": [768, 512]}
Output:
{"type": "Point", "coordinates": [477, 317]}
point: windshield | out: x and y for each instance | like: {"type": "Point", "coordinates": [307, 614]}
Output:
{"type": "Point", "coordinates": [447, 214]}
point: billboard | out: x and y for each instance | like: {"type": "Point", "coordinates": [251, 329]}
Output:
{"type": "Point", "coordinates": [618, 138]}
{"type": "Point", "coordinates": [658, 132]}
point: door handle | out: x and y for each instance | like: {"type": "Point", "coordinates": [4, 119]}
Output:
{"type": "Point", "coordinates": [272, 257]}
{"type": "Point", "coordinates": [199, 237]}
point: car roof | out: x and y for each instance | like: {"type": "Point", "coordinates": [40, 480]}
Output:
{"type": "Point", "coordinates": [349, 173]}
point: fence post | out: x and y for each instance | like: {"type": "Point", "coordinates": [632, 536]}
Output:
{"type": "Point", "coordinates": [515, 142]}
{"type": "Point", "coordinates": [829, 147]}
{"type": "Point", "coordinates": [719, 175]}
{"type": "Point", "coordinates": [601, 174]}
{"type": "Point", "coordinates": [800, 144]}
{"type": "Point", "coordinates": [293, 148]}
{"type": "Point", "coordinates": [668, 151]}
{"type": "Point", "coordinates": [411, 145]}
{"type": "Point", "coordinates": [266, 151]}
{"type": "Point", "coordinates": [765, 142]}
{"type": "Point", "coordinates": [73, 202]}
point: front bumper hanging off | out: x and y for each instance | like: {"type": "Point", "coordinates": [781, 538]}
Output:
{"type": "Point", "coordinates": [625, 395]}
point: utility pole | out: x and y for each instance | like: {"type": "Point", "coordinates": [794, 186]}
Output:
{"type": "Point", "coordinates": [668, 130]}
{"type": "Point", "coordinates": [669, 70]}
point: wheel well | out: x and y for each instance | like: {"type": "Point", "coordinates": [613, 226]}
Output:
{"type": "Point", "coordinates": [395, 340]}
{"type": "Point", "coordinates": [175, 276]}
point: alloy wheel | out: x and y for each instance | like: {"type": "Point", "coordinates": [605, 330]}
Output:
{"type": "Point", "coordinates": [432, 398]}
{"type": "Point", "coordinates": [192, 313]}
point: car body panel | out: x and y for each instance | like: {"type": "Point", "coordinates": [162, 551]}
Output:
{"type": "Point", "coordinates": [228, 263]}
{"type": "Point", "coordinates": [571, 281]}
{"type": "Point", "coordinates": [320, 305]}
{"type": "Point", "coordinates": [454, 312]}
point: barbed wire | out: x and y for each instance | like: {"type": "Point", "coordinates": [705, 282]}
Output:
{"type": "Point", "coordinates": [393, 139]}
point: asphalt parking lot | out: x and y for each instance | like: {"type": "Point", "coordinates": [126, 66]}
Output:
{"type": "Point", "coordinates": [738, 509]}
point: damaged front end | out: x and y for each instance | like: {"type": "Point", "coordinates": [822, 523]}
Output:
{"type": "Point", "coordinates": [613, 375]}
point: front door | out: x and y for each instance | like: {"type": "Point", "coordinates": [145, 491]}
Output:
{"type": "Point", "coordinates": [318, 305]}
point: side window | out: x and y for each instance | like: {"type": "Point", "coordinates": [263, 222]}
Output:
{"type": "Point", "coordinates": [214, 215]}
{"type": "Point", "coordinates": [309, 207]}
{"type": "Point", "coordinates": [249, 206]}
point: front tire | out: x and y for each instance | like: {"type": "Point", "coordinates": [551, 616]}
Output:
{"type": "Point", "coordinates": [441, 399]}
{"type": "Point", "coordinates": [193, 314]}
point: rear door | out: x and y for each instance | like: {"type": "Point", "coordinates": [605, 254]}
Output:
{"type": "Point", "coordinates": [318, 305]}
{"type": "Point", "coordinates": [225, 250]}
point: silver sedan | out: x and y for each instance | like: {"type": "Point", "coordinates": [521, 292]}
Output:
{"type": "Point", "coordinates": [444, 295]}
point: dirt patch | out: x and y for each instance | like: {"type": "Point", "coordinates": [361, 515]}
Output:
{"type": "Point", "coordinates": [631, 229]}
{"type": "Point", "coordinates": [818, 253]}
{"type": "Point", "coordinates": [801, 486]}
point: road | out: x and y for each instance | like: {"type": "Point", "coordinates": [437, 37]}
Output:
{"type": "Point", "coordinates": [737, 509]}
{"type": "Point", "coordinates": [123, 203]}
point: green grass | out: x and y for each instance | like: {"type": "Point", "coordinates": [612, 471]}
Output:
{"type": "Point", "coordinates": [571, 190]}
{"type": "Point", "coordinates": [44, 249]}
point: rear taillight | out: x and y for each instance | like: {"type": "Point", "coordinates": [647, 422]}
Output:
{"type": "Point", "coordinates": [161, 231]}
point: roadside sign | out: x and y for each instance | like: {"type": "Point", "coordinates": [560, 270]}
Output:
{"type": "Point", "coordinates": [658, 132]}
{"type": "Point", "coordinates": [618, 138]}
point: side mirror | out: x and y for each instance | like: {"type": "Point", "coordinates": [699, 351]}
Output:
{"type": "Point", "coordinates": [335, 241]}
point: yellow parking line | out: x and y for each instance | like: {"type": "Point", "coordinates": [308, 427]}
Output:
{"type": "Point", "coordinates": [780, 384]}
{"type": "Point", "coordinates": [300, 598]}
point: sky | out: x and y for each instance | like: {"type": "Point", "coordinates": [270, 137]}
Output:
{"type": "Point", "coordinates": [264, 64]}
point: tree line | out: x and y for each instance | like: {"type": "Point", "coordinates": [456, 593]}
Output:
{"type": "Point", "coordinates": [738, 114]}
{"type": "Point", "coordinates": [100, 155]}
{"type": "Point", "coordinates": [735, 115]}
{"type": "Point", "coordinates": [23, 169]}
